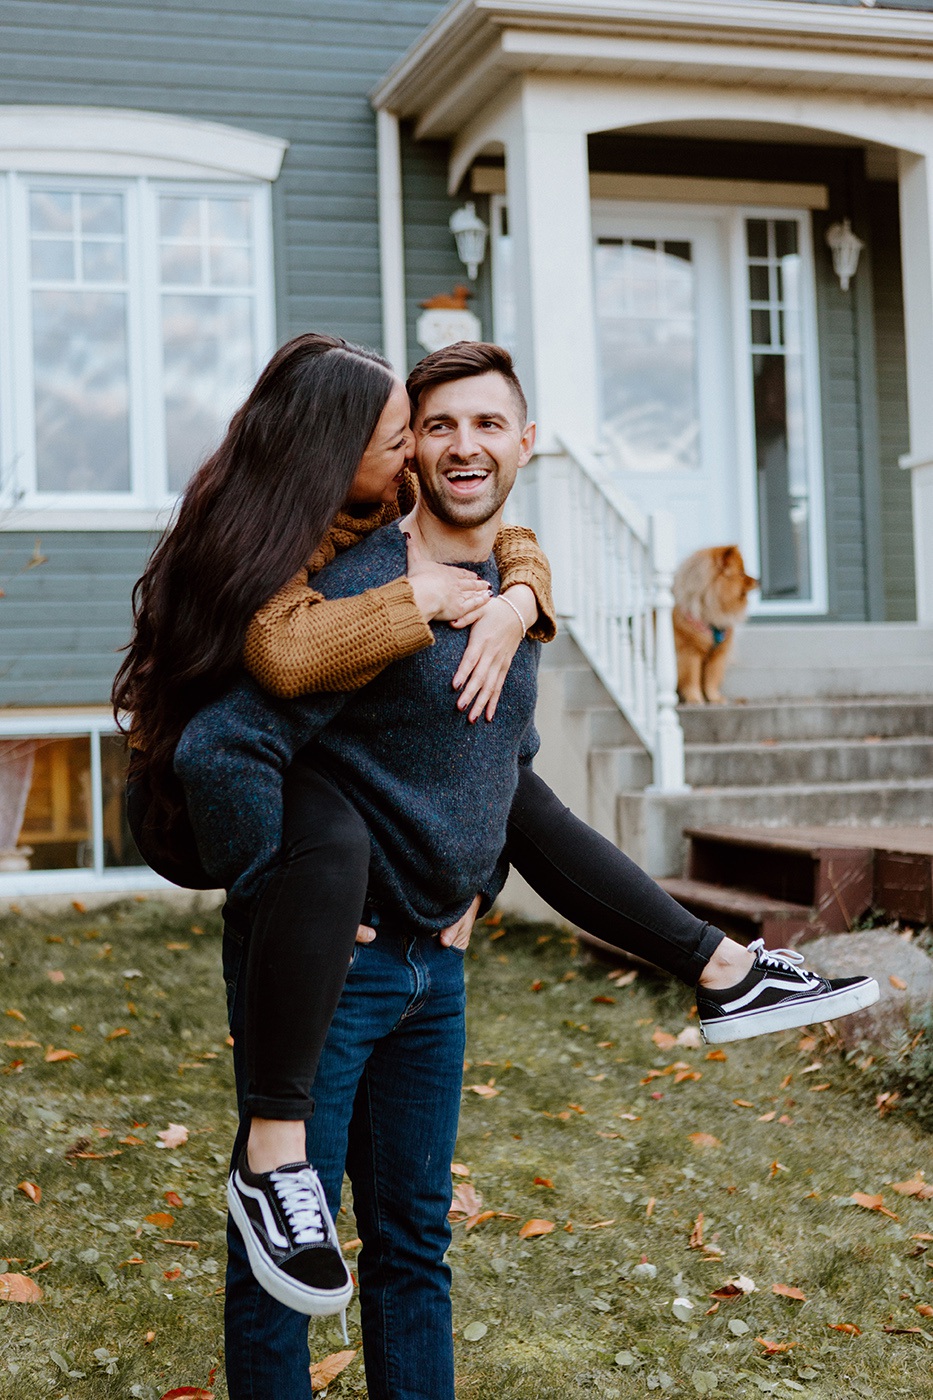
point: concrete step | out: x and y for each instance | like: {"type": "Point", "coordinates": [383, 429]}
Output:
{"type": "Point", "coordinates": [831, 659]}
{"type": "Point", "coordinates": [743, 914]}
{"type": "Point", "coordinates": [884, 718]}
{"type": "Point", "coordinates": [809, 761]}
{"type": "Point", "coordinates": [650, 825]}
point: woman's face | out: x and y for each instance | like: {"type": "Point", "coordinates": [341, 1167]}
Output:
{"type": "Point", "coordinates": [391, 446]}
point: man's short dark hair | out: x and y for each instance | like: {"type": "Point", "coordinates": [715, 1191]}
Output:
{"type": "Point", "coordinates": [463, 360]}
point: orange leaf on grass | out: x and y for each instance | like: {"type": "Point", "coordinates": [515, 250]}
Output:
{"type": "Point", "coordinates": [915, 1187]}
{"type": "Point", "coordinates": [901, 1331]}
{"type": "Point", "coordinates": [172, 1198]}
{"type": "Point", "coordinates": [544, 1181]}
{"type": "Point", "coordinates": [925, 1310]}
{"type": "Point", "coordinates": [784, 1291]}
{"type": "Point", "coordinates": [458, 1169]}
{"type": "Point", "coordinates": [532, 1228]}
{"type": "Point", "coordinates": [872, 1203]}
{"type": "Point", "coordinates": [323, 1372]}
{"type": "Point", "coordinates": [175, 1135]}
{"type": "Point", "coordinates": [161, 1218]}
{"type": "Point", "coordinates": [131, 1140]}
{"type": "Point", "coordinates": [350, 1245]}
{"type": "Point", "coordinates": [704, 1140]}
{"type": "Point", "coordinates": [848, 1327]}
{"type": "Point", "coordinates": [577, 1108]}
{"type": "Point", "coordinates": [897, 983]}
{"type": "Point", "coordinates": [17, 1015]}
{"type": "Point", "coordinates": [17, 1288]}
{"type": "Point", "coordinates": [774, 1348]}
{"type": "Point", "coordinates": [466, 1201]}
{"type": "Point", "coordinates": [55, 975]}
{"type": "Point", "coordinates": [717, 1055]}
{"type": "Point", "coordinates": [696, 1234]}
{"type": "Point", "coordinates": [30, 1189]}
{"type": "Point", "coordinates": [479, 1219]}
{"type": "Point", "coordinates": [116, 1034]}
{"type": "Point", "coordinates": [605, 1001]}
{"type": "Point", "coordinates": [188, 1392]}
{"type": "Point", "coordinates": [485, 1091]}
{"type": "Point", "coordinates": [664, 1040]}
{"type": "Point", "coordinates": [171, 1274]}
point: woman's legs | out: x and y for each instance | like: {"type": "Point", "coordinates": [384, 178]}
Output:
{"type": "Point", "coordinates": [596, 886]}
{"type": "Point", "coordinates": [301, 941]}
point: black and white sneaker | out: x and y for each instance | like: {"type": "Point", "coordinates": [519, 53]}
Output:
{"type": "Point", "coordinates": [290, 1238]}
{"type": "Point", "coordinates": [776, 995]}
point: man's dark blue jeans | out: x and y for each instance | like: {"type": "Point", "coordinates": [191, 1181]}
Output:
{"type": "Point", "coordinates": [387, 1096]}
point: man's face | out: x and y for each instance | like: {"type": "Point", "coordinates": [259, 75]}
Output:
{"type": "Point", "coordinates": [469, 444]}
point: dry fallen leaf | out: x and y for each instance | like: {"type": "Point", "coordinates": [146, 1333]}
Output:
{"type": "Point", "coordinates": [188, 1392]}
{"type": "Point", "coordinates": [161, 1218]}
{"type": "Point", "coordinates": [734, 1288]}
{"type": "Point", "coordinates": [690, 1038]}
{"type": "Point", "coordinates": [458, 1169]}
{"type": "Point", "coordinates": [323, 1372]}
{"type": "Point", "coordinates": [30, 1189]}
{"type": "Point", "coordinates": [532, 1228]}
{"type": "Point", "coordinates": [17, 1015]}
{"type": "Point", "coordinates": [872, 1203]}
{"type": "Point", "coordinates": [704, 1140]}
{"type": "Point", "coordinates": [56, 1057]}
{"type": "Point", "coordinates": [466, 1201]}
{"type": "Point", "coordinates": [172, 1198]}
{"type": "Point", "coordinates": [116, 1034]}
{"type": "Point", "coordinates": [664, 1040]}
{"type": "Point", "coordinates": [901, 1331]}
{"type": "Point", "coordinates": [54, 975]}
{"type": "Point", "coordinates": [717, 1055]}
{"type": "Point", "coordinates": [774, 1348]}
{"type": "Point", "coordinates": [897, 983]}
{"type": "Point", "coordinates": [915, 1187]}
{"type": "Point", "coordinates": [485, 1091]}
{"type": "Point", "coordinates": [605, 1001]}
{"type": "Point", "coordinates": [783, 1291]}
{"type": "Point", "coordinates": [17, 1288]}
{"type": "Point", "coordinates": [848, 1327]}
{"type": "Point", "coordinates": [175, 1135]}
{"type": "Point", "coordinates": [544, 1181]}
{"type": "Point", "coordinates": [696, 1234]}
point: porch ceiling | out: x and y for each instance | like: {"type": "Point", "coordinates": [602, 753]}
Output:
{"type": "Point", "coordinates": [463, 60]}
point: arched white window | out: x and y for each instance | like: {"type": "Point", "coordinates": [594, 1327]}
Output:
{"type": "Point", "coordinates": [136, 305]}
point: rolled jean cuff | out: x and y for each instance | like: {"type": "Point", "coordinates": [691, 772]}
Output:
{"type": "Point", "coordinates": [710, 940]}
{"type": "Point", "coordinates": [289, 1110]}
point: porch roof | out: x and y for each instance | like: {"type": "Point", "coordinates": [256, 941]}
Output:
{"type": "Point", "coordinates": [463, 60]}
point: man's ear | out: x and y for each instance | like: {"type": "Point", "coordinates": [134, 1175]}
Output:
{"type": "Point", "coordinates": [528, 444]}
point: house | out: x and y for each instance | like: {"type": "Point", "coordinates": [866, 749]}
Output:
{"type": "Point", "coordinates": [183, 186]}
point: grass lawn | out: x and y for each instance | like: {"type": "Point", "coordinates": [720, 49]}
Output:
{"type": "Point", "coordinates": [589, 1119]}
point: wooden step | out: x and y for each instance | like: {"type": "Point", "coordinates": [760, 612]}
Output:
{"type": "Point", "coordinates": [835, 881]}
{"type": "Point", "coordinates": [744, 913]}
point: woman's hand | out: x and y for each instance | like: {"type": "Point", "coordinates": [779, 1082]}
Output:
{"type": "Point", "coordinates": [444, 592]}
{"type": "Point", "coordinates": [458, 935]}
{"type": "Point", "coordinates": [365, 934]}
{"type": "Point", "coordinates": [494, 640]}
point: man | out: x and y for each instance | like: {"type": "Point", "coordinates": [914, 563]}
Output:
{"type": "Point", "coordinates": [435, 792]}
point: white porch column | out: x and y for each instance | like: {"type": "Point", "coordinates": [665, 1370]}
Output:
{"type": "Point", "coordinates": [547, 170]}
{"type": "Point", "coordinates": [916, 187]}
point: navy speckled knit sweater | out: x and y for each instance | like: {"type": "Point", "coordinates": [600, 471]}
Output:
{"type": "Point", "coordinates": [433, 789]}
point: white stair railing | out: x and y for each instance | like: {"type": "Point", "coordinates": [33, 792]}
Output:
{"type": "Point", "coordinates": [613, 572]}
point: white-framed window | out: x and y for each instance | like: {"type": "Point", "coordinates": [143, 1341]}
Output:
{"type": "Point", "coordinates": [136, 306]}
{"type": "Point", "coordinates": [62, 810]}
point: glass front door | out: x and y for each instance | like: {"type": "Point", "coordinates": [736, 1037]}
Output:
{"type": "Point", "coordinates": [709, 394]}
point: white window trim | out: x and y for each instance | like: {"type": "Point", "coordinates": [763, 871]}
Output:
{"type": "Point", "coordinates": [818, 603]}
{"type": "Point", "coordinates": [145, 152]}
{"type": "Point", "coordinates": [64, 724]}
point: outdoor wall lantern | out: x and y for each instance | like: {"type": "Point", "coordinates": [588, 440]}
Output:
{"type": "Point", "coordinates": [470, 232]}
{"type": "Point", "coordinates": [846, 247]}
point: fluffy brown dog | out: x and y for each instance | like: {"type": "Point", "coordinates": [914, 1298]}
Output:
{"type": "Point", "coordinates": [711, 591]}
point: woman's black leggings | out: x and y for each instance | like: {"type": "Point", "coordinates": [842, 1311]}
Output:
{"type": "Point", "coordinates": [303, 930]}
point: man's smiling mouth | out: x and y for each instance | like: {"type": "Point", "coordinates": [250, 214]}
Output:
{"type": "Point", "coordinates": [465, 479]}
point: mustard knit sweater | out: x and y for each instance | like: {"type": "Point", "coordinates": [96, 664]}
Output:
{"type": "Point", "coordinates": [300, 642]}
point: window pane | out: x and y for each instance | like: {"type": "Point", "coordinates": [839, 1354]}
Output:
{"type": "Point", "coordinates": [179, 217]}
{"type": "Point", "coordinates": [229, 221]}
{"type": "Point", "coordinates": [51, 211]}
{"type": "Point", "coordinates": [181, 264]}
{"type": "Point", "coordinates": [45, 802]}
{"type": "Point", "coordinates": [208, 367]}
{"type": "Point", "coordinates": [102, 213]}
{"type": "Point", "coordinates": [81, 391]}
{"type": "Point", "coordinates": [102, 262]}
{"type": "Point", "coordinates": [758, 284]}
{"type": "Point", "coordinates": [119, 846]}
{"type": "Point", "coordinates": [53, 259]}
{"type": "Point", "coordinates": [647, 335]}
{"type": "Point", "coordinates": [785, 237]}
{"type": "Point", "coordinates": [757, 237]}
{"type": "Point", "coordinates": [231, 267]}
{"type": "Point", "coordinates": [761, 327]}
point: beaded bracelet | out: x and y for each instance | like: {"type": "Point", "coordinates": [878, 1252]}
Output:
{"type": "Point", "coordinates": [508, 601]}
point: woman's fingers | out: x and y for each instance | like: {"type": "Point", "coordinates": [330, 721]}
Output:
{"type": "Point", "coordinates": [365, 934]}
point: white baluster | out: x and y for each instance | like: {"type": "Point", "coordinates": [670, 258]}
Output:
{"type": "Point", "coordinates": [669, 736]}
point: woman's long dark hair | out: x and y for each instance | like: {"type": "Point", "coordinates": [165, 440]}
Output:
{"type": "Point", "coordinates": [251, 516]}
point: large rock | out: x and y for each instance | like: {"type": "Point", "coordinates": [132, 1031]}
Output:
{"type": "Point", "coordinates": [883, 956]}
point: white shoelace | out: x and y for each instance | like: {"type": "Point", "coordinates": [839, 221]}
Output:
{"type": "Point", "coordinates": [783, 959]}
{"type": "Point", "coordinates": [298, 1193]}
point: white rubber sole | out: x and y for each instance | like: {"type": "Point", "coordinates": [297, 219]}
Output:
{"type": "Point", "coordinates": [787, 1015]}
{"type": "Point", "coordinates": [312, 1302]}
